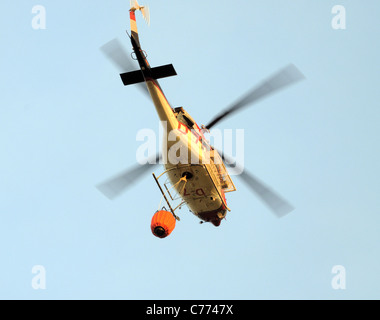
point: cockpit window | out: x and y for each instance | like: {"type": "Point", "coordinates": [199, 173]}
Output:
{"type": "Point", "coordinates": [184, 118]}
{"type": "Point", "coordinates": [189, 123]}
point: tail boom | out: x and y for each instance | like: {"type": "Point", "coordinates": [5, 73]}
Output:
{"type": "Point", "coordinates": [148, 74]}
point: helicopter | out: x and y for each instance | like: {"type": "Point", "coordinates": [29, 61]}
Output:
{"type": "Point", "coordinates": [198, 178]}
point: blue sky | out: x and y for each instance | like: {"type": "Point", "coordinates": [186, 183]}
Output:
{"type": "Point", "coordinates": [67, 123]}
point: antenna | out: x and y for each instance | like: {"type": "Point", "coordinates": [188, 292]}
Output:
{"type": "Point", "coordinates": [144, 10]}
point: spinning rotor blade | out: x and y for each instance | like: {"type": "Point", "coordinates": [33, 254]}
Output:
{"type": "Point", "coordinates": [279, 206]}
{"type": "Point", "coordinates": [281, 79]}
{"type": "Point", "coordinates": [116, 185]}
{"type": "Point", "coordinates": [115, 52]}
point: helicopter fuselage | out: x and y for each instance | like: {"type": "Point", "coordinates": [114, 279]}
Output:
{"type": "Point", "coordinates": [187, 153]}
{"type": "Point", "coordinates": [193, 168]}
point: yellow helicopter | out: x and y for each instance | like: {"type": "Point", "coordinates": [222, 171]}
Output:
{"type": "Point", "coordinates": [198, 176]}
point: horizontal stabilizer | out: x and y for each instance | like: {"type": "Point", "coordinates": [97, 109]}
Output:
{"type": "Point", "coordinates": [156, 73]}
{"type": "Point", "coordinates": [163, 71]}
{"type": "Point", "coordinates": [132, 77]}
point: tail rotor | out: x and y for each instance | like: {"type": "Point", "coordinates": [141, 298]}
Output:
{"type": "Point", "coordinates": [144, 10]}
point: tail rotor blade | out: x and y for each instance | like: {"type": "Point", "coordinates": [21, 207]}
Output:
{"type": "Point", "coordinates": [146, 14]}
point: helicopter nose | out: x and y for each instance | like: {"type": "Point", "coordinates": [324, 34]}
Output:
{"type": "Point", "coordinates": [216, 222]}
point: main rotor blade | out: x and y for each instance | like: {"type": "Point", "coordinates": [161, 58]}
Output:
{"type": "Point", "coordinates": [281, 79]}
{"type": "Point", "coordinates": [121, 182]}
{"type": "Point", "coordinates": [116, 53]}
{"type": "Point", "coordinates": [279, 206]}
